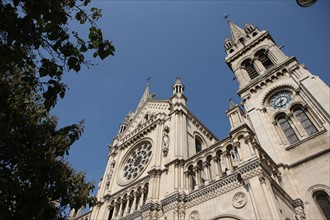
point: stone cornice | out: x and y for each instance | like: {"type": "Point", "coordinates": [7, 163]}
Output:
{"type": "Point", "coordinates": [176, 161]}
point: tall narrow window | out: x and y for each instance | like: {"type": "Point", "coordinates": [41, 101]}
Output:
{"type": "Point", "coordinates": [323, 202]}
{"type": "Point", "coordinates": [264, 59]}
{"type": "Point", "coordinates": [304, 120]}
{"type": "Point", "coordinates": [111, 212]}
{"type": "Point", "coordinates": [287, 129]}
{"type": "Point", "coordinates": [198, 145]}
{"type": "Point", "coordinates": [248, 66]}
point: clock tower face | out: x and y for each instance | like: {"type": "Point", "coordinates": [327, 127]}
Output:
{"type": "Point", "coordinates": [281, 100]}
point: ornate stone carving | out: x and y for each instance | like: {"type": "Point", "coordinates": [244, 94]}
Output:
{"type": "Point", "coordinates": [239, 200]}
{"type": "Point", "coordinates": [234, 153]}
{"type": "Point", "coordinates": [262, 179]}
{"type": "Point", "coordinates": [194, 215]}
{"type": "Point", "coordinates": [166, 141]}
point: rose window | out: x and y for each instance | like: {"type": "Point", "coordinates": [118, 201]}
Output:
{"type": "Point", "coordinates": [137, 161]}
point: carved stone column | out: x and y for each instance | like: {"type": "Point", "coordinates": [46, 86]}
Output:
{"type": "Point", "coordinates": [119, 214]}
{"type": "Point", "coordinates": [248, 141]}
{"type": "Point", "coordinates": [228, 162]}
{"type": "Point", "coordinates": [115, 210]}
{"type": "Point", "coordinates": [237, 145]}
{"type": "Point", "coordinates": [133, 209]}
{"type": "Point", "coordinates": [198, 180]}
{"type": "Point", "coordinates": [206, 171]}
{"type": "Point", "coordinates": [142, 196]}
{"type": "Point", "coordinates": [187, 182]}
{"type": "Point", "coordinates": [157, 180]}
{"type": "Point", "coordinates": [258, 66]}
{"type": "Point", "coordinates": [181, 174]}
{"type": "Point", "coordinates": [176, 182]}
{"type": "Point", "coordinates": [126, 211]}
{"type": "Point", "coordinates": [217, 167]}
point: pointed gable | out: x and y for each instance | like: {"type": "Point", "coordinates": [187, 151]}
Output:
{"type": "Point", "coordinates": [145, 97]}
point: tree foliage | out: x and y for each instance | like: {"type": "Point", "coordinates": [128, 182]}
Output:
{"type": "Point", "coordinates": [36, 48]}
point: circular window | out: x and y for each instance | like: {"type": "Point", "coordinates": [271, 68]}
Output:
{"type": "Point", "coordinates": [137, 161]}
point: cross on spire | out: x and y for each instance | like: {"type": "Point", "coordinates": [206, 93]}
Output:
{"type": "Point", "coordinates": [226, 17]}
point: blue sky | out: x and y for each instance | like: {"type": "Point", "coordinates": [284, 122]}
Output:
{"type": "Point", "coordinates": [166, 39]}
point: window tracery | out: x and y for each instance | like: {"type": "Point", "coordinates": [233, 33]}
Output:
{"type": "Point", "coordinates": [137, 161]}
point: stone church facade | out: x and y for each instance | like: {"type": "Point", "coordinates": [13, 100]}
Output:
{"type": "Point", "coordinates": [274, 163]}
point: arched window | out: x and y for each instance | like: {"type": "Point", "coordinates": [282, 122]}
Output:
{"type": "Point", "coordinates": [248, 66]}
{"type": "Point", "coordinates": [304, 120]}
{"type": "Point", "coordinates": [322, 200]}
{"type": "Point", "coordinates": [264, 59]}
{"type": "Point", "coordinates": [287, 129]}
{"type": "Point", "coordinates": [198, 144]}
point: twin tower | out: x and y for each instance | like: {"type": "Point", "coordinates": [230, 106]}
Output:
{"type": "Point", "coordinates": [274, 164]}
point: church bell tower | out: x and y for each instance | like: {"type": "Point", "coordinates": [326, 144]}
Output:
{"type": "Point", "coordinates": [286, 106]}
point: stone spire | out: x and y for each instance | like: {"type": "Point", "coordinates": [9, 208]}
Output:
{"type": "Point", "coordinates": [145, 97]}
{"type": "Point", "coordinates": [231, 104]}
{"type": "Point", "coordinates": [235, 31]}
{"type": "Point", "coordinates": [235, 114]}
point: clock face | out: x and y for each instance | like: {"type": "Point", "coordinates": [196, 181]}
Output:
{"type": "Point", "coordinates": [281, 100]}
{"type": "Point", "coordinates": [137, 161]}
